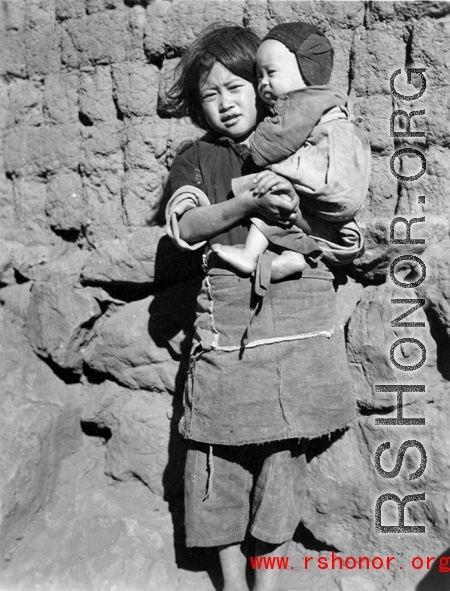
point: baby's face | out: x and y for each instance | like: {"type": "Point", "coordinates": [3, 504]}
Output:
{"type": "Point", "coordinates": [278, 71]}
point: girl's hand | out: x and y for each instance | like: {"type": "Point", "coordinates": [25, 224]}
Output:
{"type": "Point", "coordinates": [270, 181]}
{"type": "Point", "coordinates": [277, 199]}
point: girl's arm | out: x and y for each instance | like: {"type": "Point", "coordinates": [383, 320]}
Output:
{"type": "Point", "coordinates": [202, 223]}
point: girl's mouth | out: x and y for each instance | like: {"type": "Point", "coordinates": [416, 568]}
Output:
{"type": "Point", "coordinates": [230, 121]}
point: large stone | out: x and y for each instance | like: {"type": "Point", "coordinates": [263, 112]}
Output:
{"type": "Point", "coordinates": [61, 313]}
{"type": "Point", "coordinates": [379, 254]}
{"type": "Point", "coordinates": [139, 445]}
{"type": "Point", "coordinates": [40, 426]}
{"type": "Point", "coordinates": [370, 337]}
{"type": "Point", "coordinates": [97, 533]}
{"type": "Point", "coordinates": [144, 258]}
{"type": "Point", "coordinates": [382, 197]}
{"type": "Point", "coordinates": [122, 347]}
{"type": "Point", "coordinates": [331, 519]}
{"type": "Point", "coordinates": [140, 344]}
{"type": "Point", "coordinates": [436, 287]}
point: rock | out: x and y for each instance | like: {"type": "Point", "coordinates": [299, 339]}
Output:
{"type": "Point", "coordinates": [379, 253]}
{"type": "Point", "coordinates": [436, 287]}
{"type": "Point", "coordinates": [97, 533]}
{"type": "Point", "coordinates": [142, 343]}
{"type": "Point", "coordinates": [144, 258]}
{"type": "Point", "coordinates": [122, 347]}
{"type": "Point", "coordinates": [5, 257]}
{"type": "Point", "coordinates": [16, 299]}
{"type": "Point", "coordinates": [60, 314]}
{"type": "Point", "coordinates": [357, 583]}
{"type": "Point", "coordinates": [134, 450]}
{"type": "Point", "coordinates": [370, 337]}
{"type": "Point", "coordinates": [41, 425]}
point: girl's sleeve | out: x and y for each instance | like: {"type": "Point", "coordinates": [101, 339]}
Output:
{"type": "Point", "coordinates": [185, 185]}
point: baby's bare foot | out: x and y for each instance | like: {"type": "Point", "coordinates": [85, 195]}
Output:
{"type": "Point", "coordinates": [236, 258]}
{"type": "Point", "coordinates": [287, 263]}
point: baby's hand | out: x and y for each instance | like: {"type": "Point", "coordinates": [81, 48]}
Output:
{"type": "Point", "coordinates": [277, 199]}
{"type": "Point", "coordinates": [268, 181]}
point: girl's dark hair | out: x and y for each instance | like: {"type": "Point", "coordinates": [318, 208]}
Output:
{"type": "Point", "coordinates": [231, 45]}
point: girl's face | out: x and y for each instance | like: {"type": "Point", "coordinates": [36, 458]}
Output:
{"type": "Point", "coordinates": [278, 71]}
{"type": "Point", "coordinates": [228, 103]}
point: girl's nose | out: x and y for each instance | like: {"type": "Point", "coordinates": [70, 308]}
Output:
{"type": "Point", "coordinates": [225, 101]}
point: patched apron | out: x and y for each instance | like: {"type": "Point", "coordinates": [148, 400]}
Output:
{"type": "Point", "coordinates": [268, 361]}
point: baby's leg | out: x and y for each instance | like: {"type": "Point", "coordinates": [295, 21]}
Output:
{"type": "Point", "coordinates": [287, 263]}
{"type": "Point", "coordinates": [244, 259]}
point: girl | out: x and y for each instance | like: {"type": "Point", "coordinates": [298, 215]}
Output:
{"type": "Point", "coordinates": [249, 404]}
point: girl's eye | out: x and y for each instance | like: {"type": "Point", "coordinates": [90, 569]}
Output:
{"type": "Point", "coordinates": [208, 97]}
{"type": "Point", "coordinates": [235, 87]}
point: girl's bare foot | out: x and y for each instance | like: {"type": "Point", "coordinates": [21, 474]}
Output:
{"type": "Point", "coordinates": [287, 263]}
{"type": "Point", "coordinates": [237, 258]}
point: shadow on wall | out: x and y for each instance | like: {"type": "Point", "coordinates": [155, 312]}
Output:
{"type": "Point", "coordinates": [172, 311]}
{"type": "Point", "coordinates": [438, 577]}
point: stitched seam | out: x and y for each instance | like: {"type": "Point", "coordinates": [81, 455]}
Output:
{"type": "Point", "coordinates": [271, 341]}
{"type": "Point", "coordinates": [215, 343]}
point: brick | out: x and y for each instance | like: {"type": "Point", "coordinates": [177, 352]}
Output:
{"type": "Point", "coordinates": [65, 204]}
{"type": "Point", "coordinates": [377, 54]}
{"type": "Point", "coordinates": [96, 96]}
{"type": "Point", "coordinates": [61, 98]}
{"type": "Point", "coordinates": [136, 88]}
{"type": "Point", "coordinates": [142, 192]}
{"type": "Point", "coordinates": [26, 98]}
{"type": "Point", "coordinates": [101, 149]}
{"type": "Point", "coordinates": [101, 38]}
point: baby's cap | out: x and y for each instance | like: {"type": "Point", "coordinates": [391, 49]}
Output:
{"type": "Point", "coordinates": [311, 48]}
